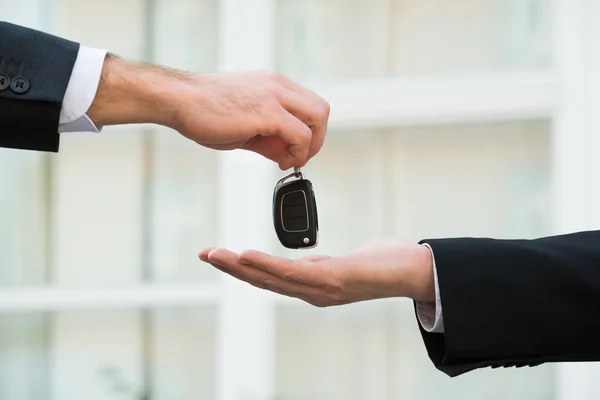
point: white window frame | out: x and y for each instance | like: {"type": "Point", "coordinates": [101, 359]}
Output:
{"type": "Point", "coordinates": [565, 95]}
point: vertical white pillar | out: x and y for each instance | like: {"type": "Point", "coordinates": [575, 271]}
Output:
{"type": "Point", "coordinates": [245, 329]}
{"type": "Point", "coordinates": [592, 61]}
{"type": "Point", "coordinates": [576, 144]}
{"type": "Point", "coordinates": [569, 141]}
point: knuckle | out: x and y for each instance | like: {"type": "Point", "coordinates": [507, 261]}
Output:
{"type": "Point", "coordinates": [271, 124]}
{"type": "Point", "coordinates": [275, 108]}
{"type": "Point", "coordinates": [267, 283]}
{"type": "Point", "coordinates": [338, 298]}
{"type": "Point", "coordinates": [275, 76]}
{"type": "Point", "coordinates": [331, 286]}
{"type": "Point", "coordinates": [279, 77]}
{"type": "Point", "coordinates": [268, 95]}
{"type": "Point", "coordinates": [263, 283]}
{"type": "Point", "coordinates": [336, 292]}
{"type": "Point", "coordinates": [290, 276]}
{"type": "Point", "coordinates": [320, 115]}
{"type": "Point", "coordinates": [306, 134]}
{"type": "Point", "coordinates": [302, 139]}
{"type": "Point", "coordinates": [272, 88]}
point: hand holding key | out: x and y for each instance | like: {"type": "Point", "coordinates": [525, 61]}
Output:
{"type": "Point", "coordinates": [263, 112]}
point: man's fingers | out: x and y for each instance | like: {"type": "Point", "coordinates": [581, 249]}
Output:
{"type": "Point", "coordinates": [228, 262]}
{"type": "Point", "coordinates": [315, 98]}
{"type": "Point", "coordinates": [302, 271]}
{"type": "Point", "coordinates": [203, 255]}
{"type": "Point", "coordinates": [302, 107]}
{"type": "Point", "coordinates": [296, 87]}
{"type": "Point", "coordinates": [273, 264]}
{"type": "Point", "coordinates": [261, 285]}
{"type": "Point", "coordinates": [316, 116]}
{"type": "Point", "coordinates": [223, 257]}
{"type": "Point", "coordinates": [298, 136]}
{"type": "Point", "coordinates": [318, 139]}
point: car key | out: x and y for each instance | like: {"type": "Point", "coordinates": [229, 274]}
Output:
{"type": "Point", "coordinates": [295, 212]}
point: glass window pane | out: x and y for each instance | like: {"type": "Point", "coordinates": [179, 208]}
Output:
{"type": "Point", "coordinates": [183, 347]}
{"type": "Point", "coordinates": [184, 200]}
{"type": "Point", "coordinates": [24, 357]}
{"type": "Point", "coordinates": [475, 180]}
{"type": "Point", "coordinates": [35, 14]}
{"type": "Point", "coordinates": [116, 25]}
{"type": "Point", "coordinates": [331, 39]}
{"type": "Point", "coordinates": [165, 353]}
{"type": "Point", "coordinates": [24, 216]}
{"type": "Point", "coordinates": [470, 36]}
{"type": "Point", "coordinates": [374, 351]}
{"type": "Point", "coordinates": [346, 353]}
{"type": "Point", "coordinates": [185, 34]}
{"type": "Point", "coordinates": [349, 39]}
{"type": "Point", "coordinates": [98, 216]}
{"type": "Point", "coordinates": [472, 180]}
{"type": "Point", "coordinates": [183, 175]}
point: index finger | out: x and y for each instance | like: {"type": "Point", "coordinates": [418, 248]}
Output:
{"type": "Point", "coordinates": [301, 271]}
{"type": "Point", "coordinates": [319, 125]}
{"type": "Point", "coordinates": [298, 136]}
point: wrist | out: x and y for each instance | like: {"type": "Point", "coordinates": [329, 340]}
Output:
{"type": "Point", "coordinates": [393, 268]}
{"type": "Point", "coordinates": [132, 93]}
{"type": "Point", "coordinates": [423, 285]}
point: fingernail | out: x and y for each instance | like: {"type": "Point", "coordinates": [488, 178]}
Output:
{"type": "Point", "coordinates": [211, 254]}
{"type": "Point", "coordinates": [203, 255]}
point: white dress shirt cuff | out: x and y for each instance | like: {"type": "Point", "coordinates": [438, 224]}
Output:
{"type": "Point", "coordinates": [430, 314]}
{"type": "Point", "coordinates": [81, 91]}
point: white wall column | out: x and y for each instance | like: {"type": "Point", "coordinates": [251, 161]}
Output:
{"type": "Point", "coordinates": [576, 144]}
{"type": "Point", "coordinates": [570, 173]}
{"type": "Point", "coordinates": [245, 349]}
{"type": "Point", "coordinates": [592, 14]}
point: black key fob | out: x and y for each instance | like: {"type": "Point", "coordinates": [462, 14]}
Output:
{"type": "Point", "coordinates": [295, 212]}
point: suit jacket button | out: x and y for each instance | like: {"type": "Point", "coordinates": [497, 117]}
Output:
{"type": "Point", "coordinates": [4, 82]}
{"type": "Point", "coordinates": [19, 85]}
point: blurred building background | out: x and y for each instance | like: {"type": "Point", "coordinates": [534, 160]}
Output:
{"type": "Point", "coordinates": [449, 118]}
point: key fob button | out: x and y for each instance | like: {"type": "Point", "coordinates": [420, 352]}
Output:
{"type": "Point", "coordinates": [294, 211]}
{"type": "Point", "coordinates": [295, 224]}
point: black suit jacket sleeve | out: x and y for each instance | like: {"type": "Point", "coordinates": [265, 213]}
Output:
{"type": "Point", "coordinates": [39, 67]}
{"type": "Point", "coordinates": [512, 303]}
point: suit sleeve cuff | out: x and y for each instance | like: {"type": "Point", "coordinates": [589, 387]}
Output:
{"type": "Point", "coordinates": [81, 91]}
{"type": "Point", "coordinates": [430, 315]}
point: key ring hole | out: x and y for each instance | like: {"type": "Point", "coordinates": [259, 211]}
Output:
{"type": "Point", "coordinates": [296, 174]}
